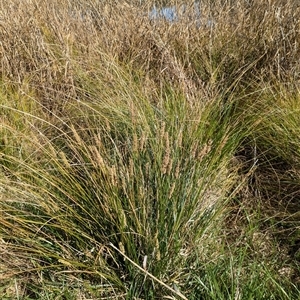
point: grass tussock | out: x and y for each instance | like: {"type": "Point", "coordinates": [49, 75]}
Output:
{"type": "Point", "coordinates": [147, 159]}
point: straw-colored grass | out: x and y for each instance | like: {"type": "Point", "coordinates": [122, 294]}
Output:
{"type": "Point", "coordinates": [148, 159]}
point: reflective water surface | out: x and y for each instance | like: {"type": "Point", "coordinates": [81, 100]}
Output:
{"type": "Point", "coordinates": [174, 14]}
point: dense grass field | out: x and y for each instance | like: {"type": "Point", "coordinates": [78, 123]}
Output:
{"type": "Point", "coordinates": [147, 159]}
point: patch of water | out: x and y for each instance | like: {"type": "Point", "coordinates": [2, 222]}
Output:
{"type": "Point", "coordinates": [168, 13]}
{"type": "Point", "coordinates": [174, 14]}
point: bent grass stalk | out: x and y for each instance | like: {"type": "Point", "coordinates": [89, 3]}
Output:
{"type": "Point", "coordinates": [143, 270]}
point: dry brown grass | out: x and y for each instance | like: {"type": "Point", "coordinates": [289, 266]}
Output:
{"type": "Point", "coordinates": [44, 43]}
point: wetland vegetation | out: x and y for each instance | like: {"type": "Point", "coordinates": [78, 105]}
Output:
{"type": "Point", "coordinates": [147, 159]}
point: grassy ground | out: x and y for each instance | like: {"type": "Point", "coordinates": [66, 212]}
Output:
{"type": "Point", "coordinates": [143, 159]}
